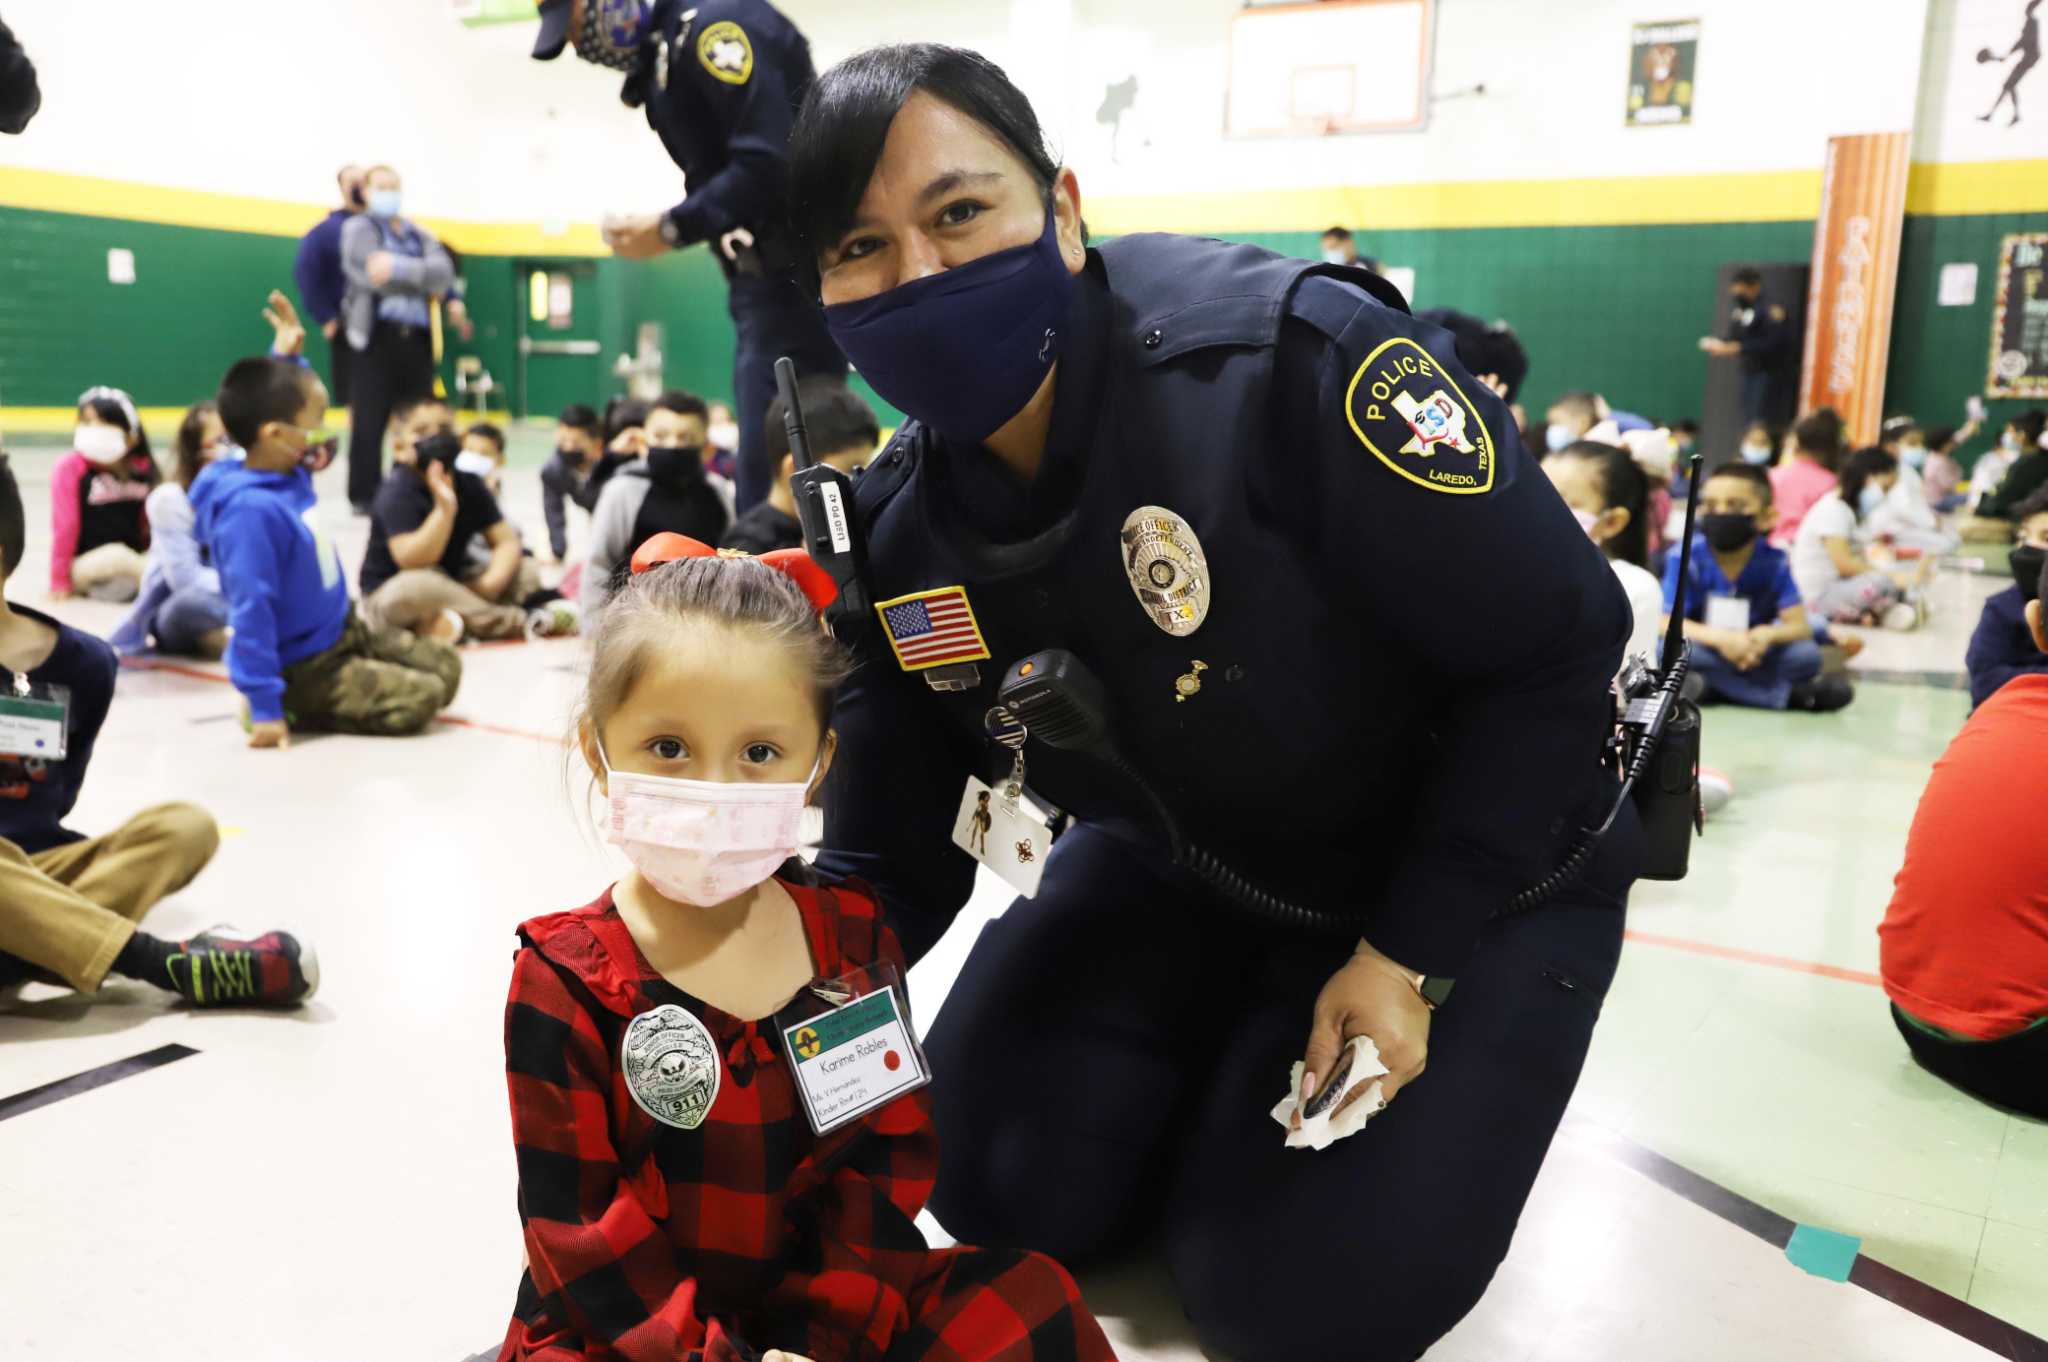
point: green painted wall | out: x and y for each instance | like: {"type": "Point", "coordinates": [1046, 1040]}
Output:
{"type": "Point", "coordinates": [1613, 308]}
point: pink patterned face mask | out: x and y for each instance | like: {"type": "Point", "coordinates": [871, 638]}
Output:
{"type": "Point", "coordinates": [1586, 521]}
{"type": "Point", "coordinates": [705, 841]}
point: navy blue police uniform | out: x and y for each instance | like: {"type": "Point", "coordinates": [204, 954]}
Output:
{"type": "Point", "coordinates": [1395, 706]}
{"type": "Point", "coordinates": [722, 87]}
{"type": "Point", "coordinates": [1764, 332]}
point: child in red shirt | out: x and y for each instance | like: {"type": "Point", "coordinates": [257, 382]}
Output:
{"type": "Point", "coordinates": [677, 1201]}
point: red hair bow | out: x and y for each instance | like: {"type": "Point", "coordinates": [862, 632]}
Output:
{"type": "Point", "coordinates": [794, 564]}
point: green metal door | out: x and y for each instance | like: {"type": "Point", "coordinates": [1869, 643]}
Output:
{"type": "Point", "coordinates": [561, 359]}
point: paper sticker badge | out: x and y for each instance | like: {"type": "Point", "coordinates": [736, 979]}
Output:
{"type": "Point", "coordinates": [1416, 420]}
{"type": "Point", "coordinates": [726, 52]}
{"type": "Point", "coordinates": [671, 1066]}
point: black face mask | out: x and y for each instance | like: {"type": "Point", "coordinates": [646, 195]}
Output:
{"type": "Point", "coordinates": [441, 447]}
{"type": "Point", "coordinates": [1728, 531]}
{"type": "Point", "coordinates": [676, 465]}
{"type": "Point", "coordinates": [573, 457]}
{"type": "Point", "coordinates": [2026, 570]}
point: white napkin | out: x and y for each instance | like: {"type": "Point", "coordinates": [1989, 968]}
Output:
{"type": "Point", "coordinates": [1324, 1129]}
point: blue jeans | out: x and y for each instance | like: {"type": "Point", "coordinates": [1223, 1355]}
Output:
{"type": "Point", "coordinates": [1767, 685]}
{"type": "Point", "coordinates": [186, 617]}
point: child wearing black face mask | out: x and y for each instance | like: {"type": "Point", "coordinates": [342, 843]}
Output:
{"type": "Point", "coordinates": [668, 489]}
{"type": "Point", "coordinates": [576, 472]}
{"type": "Point", "coordinates": [1752, 641]}
{"type": "Point", "coordinates": [2003, 646]}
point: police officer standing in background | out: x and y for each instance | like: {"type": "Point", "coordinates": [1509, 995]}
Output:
{"type": "Point", "coordinates": [1760, 333]}
{"type": "Point", "coordinates": [720, 81]}
{"type": "Point", "coordinates": [1350, 650]}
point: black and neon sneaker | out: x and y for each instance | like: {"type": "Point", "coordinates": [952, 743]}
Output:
{"type": "Point", "coordinates": [221, 967]}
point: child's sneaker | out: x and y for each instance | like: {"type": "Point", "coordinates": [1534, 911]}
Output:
{"type": "Point", "coordinates": [445, 627]}
{"type": "Point", "coordinates": [556, 619]}
{"type": "Point", "coordinates": [1901, 617]}
{"type": "Point", "coordinates": [221, 967]}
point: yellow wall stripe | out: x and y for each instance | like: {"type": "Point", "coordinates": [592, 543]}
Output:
{"type": "Point", "coordinates": [162, 422]}
{"type": "Point", "coordinates": [1772, 196]}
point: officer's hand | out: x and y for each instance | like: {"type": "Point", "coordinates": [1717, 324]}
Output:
{"type": "Point", "coordinates": [636, 236]}
{"type": "Point", "coordinates": [380, 267]}
{"type": "Point", "coordinates": [1371, 996]}
{"type": "Point", "coordinates": [270, 733]}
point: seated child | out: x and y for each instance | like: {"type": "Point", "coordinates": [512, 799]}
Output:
{"type": "Point", "coordinates": [669, 489]}
{"type": "Point", "coordinates": [1752, 641]}
{"type": "Point", "coordinates": [722, 435]}
{"type": "Point", "coordinates": [418, 575]}
{"type": "Point", "coordinates": [1831, 562]}
{"type": "Point", "coordinates": [2003, 646]}
{"type": "Point", "coordinates": [2023, 470]}
{"type": "Point", "coordinates": [98, 527]}
{"type": "Point", "coordinates": [1807, 472]}
{"type": "Point", "coordinates": [843, 432]}
{"type": "Point", "coordinates": [1759, 445]}
{"type": "Point", "coordinates": [483, 455]}
{"type": "Point", "coordinates": [1608, 493]}
{"type": "Point", "coordinates": [300, 655]}
{"type": "Point", "coordinates": [181, 606]}
{"type": "Point", "coordinates": [1943, 476]}
{"type": "Point", "coordinates": [1961, 950]}
{"type": "Point", "coordinates": [69, 903]}
{"type": "Point", "coordinates": [576, 472]}
{"type": "Point", "coordinates": [1906, 518]}
{"type": "Point", "coordinates": [677, 1201]}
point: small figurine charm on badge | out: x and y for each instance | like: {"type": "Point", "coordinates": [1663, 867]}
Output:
{"type": "Point", "coordinates": [1167, 569]}
{"type": "Point", "coordinates": [671, 1066]}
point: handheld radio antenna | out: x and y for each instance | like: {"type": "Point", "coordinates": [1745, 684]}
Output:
{"type": "Point", "coordinates": [793, 413]}
{"type": "Point", "coordinates": [825, 510]}
{"type": "Point", "coordinates": [1674, 637]}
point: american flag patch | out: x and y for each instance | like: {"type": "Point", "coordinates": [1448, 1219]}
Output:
{"type": "Point", "coordinates": [932, 629]}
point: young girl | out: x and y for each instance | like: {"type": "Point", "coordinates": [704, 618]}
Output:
{"type": "Point", "coordinates": [98, 529]}
{"type": "Point", "coordinates": [1806, 473]}
{"type": "Point", "coordinates": [1836, 578]}
{"type": "Point", "coordinates": [1759, 446]}
{"type": "Point", "coordinates": [1607, 492]}
{"type": "Point", "coordinates": [181, 605]}
{"type": "Point", "coordinates": [724, 1228]}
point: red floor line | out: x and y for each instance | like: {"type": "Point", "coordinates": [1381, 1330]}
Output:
{"type": "Point", "coordinates": [151, 664]}
{"type": "Point", "coordinates": [481, 727]}
{"type": "Point", "coordinates": [1678, 943]}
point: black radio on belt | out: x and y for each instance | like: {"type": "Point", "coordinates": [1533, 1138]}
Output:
{"type": "Point", "coordinates": [824, 507]}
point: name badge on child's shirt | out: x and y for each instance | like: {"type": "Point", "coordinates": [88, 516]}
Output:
{"type": "Point", "coordinates": [851, 1047]}
{"type": "Point", "coordinates": [33, 720]}
{"type": "Point", "coordinates": [1728, 612]}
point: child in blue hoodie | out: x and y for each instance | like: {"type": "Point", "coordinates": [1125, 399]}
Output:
{"type": "Point", "coordinates": [300, 654]}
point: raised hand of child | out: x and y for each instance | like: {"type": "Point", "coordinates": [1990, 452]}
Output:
{"type": "Point", "coordinates": [270, 733]}
{"type": "Point", "coordinates": [290, 338]}
{"type": "Point", "coordinates": [442, 484]}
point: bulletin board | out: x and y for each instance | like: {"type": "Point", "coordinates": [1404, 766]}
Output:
{"type": "Point", "coordinates": [1339, 66]}
{"type": "Point", "coordinates": [2019, 319]}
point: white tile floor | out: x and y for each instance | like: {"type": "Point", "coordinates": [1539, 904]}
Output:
{"type": "Point", "coordinates": [311, 1181]}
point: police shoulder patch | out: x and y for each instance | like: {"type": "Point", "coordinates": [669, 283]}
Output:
{"type": "Point", "coordinates": [726, 52]}
{"type": "Point", "coordinates": [1408, 410]}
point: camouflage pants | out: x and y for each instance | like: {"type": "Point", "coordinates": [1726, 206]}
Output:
{"type": "Point", "coordinates": [377, 681]}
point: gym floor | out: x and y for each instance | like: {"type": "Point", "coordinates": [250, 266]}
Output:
{"type": "Point", "coordinates": [309, 1181]}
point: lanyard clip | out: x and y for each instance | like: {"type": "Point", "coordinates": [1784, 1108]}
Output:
{"type": "Point", "coordinates": [21, 684]}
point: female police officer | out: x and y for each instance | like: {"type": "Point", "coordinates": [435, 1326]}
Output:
{"type": "Point", "coordinates": [1345, 632]}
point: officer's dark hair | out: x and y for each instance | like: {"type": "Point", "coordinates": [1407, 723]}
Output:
{"type": "Point", "coordinates": [259, 390]}
{"type": "Point", "coordinates": [490, 432]}
{"type": "Point", "coordinates": [1749, 274]}
{"type": "Point", "coordinates": [577, 416]}
{"type": "Point", "coordinates": [845, 120]}
{"type": "Point", "coordinates": [1622, 483]}
{"type": "Point", "coordinates": [622, 414]}
{"type": "Point", "coordinates": [1819, 433]}
{"type": "Point", "coordinates": [1336, 234]}
{"type": "Point", "coordinates": [1750, 473]}
{"type": "Point", "coordinates": [13, 524]}
{"type": "Point", "coordinates": [1859, 469]}
{"type": "Point", "coordinates": [835, 419]}
{"type": "Point", "coordinates": [682, 404]}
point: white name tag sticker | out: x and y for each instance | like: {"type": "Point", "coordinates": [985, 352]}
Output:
{"type": "Point", "coordinates": [33, 725]}
{"type": "Point", "coordinates": [853, 1059]}
{"type": "Point", "coordinates": [1728, 612]}
{"type": "Point", "coordinates": [835, 517]}
{"type": "Point", "coordinates": [1006, 837]}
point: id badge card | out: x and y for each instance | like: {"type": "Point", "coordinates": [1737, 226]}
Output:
{"type": "Point", "coordinates": [1728, 612]}
{"type": "Point", "coordinates": [851, 1048]}
{"type": "Point", "coordinates": [33, 720]}
{"type": "Point", "coordinates": [1008, 835]}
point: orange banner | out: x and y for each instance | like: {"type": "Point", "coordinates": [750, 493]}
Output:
{"type": "Point", "coordinates": [1855, 276]}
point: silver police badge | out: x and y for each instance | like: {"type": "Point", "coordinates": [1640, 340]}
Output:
{"type": "Point", "coordinates": [1167, 569]}
{"type": "Point", "coordinates": [671, 1066]}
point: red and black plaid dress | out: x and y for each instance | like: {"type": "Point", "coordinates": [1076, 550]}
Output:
{"type": "Point", "coordinates": [655, 1244]}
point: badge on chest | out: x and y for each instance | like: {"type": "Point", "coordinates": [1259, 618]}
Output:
{"type": "Point", "coordinates": [671, 1066]}
{"type": "Point", "coordinates": [1167, 568]}
{"type": "Point", "coordinates": [33, 720]}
